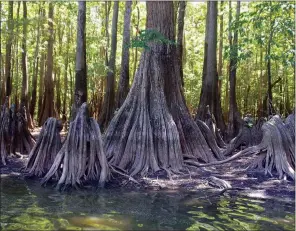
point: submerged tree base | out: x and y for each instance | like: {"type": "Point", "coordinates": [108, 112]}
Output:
{"type": "Point", "coordinates": [22, 140]}
{"type": "Point", "coordinates": [5, 135]}
{"type": "Point", "coordinates": [46, 148]}
{"type": "Point", "coordinates": [81, 158]}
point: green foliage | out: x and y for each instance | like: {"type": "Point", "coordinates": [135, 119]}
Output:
{"type": "Point", "coordinates": [145, 37]}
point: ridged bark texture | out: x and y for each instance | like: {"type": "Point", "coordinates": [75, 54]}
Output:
{"type": "Point", "coordinates": [153, 128]}
{"type": "Point", "coordinates": [46, 148]}
{"type": "Point", "coordinates": [81, 158]}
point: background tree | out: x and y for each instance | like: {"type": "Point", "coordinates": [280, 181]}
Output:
{"type": "Point", "coordinates": [180, 36]}
{"type": "Point", "coordinates": [9, 41]}
{"type": "Point", "coordinates": [36, 66]}
{"type": "Point", "coordinates": [81, 76]}
{"type": "Point", "coordinates": [25, 97]}
{"type": "Point", "coordinates": [48, 106]}
{"type": "Point", "coordinates": [234, 118]}
{"type": "Point", "coordinates": [123, 84]}
{"type": "Point", "coordinates": [109, 98]}
{"type": "Point", "coordinates": [209, 92]}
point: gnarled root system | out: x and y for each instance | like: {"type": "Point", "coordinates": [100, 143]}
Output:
{"type": "Point", "coordinates": [81, 157]}
{"type": "Point", "coordinates": [46, 148]}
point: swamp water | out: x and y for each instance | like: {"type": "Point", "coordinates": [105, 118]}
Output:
{"type": "Point", "coordinates": [27, 206]}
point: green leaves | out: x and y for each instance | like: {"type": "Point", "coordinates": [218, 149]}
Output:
{"type": "Point", "coordinates": [148, 36]}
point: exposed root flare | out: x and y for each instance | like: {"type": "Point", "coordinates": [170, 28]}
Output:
{"type": "Point", "coordinates": [81, 158]}
{"type": "Point", "coordinates": [275, 152]}
{"type": "Point", "coordinates": [15, 136]}
{"type": "Point", "coordinates": [247, 136]}
{"type": "Point", "coordinates": [46, 148]}
{"type": "Point", "coordinates": [5, 137]}
{"type": "Point", "coordinates": [22, 140]}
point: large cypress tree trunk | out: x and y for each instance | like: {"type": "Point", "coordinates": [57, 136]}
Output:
{"type": "Point", "coordinates": [153, 127]}
{"type": "Point", "coordinates": [123, 84]}
{"type": "Point", "coordinates": [8, 86]}
{"type": "Point", "coordinates": [109, 98]}
{"type": "Point", "coordinates": [48, 109]}
{"type": "Point", "coordinates": [234, 118]}
{"type": "Point", "coordinates": [209, 93]}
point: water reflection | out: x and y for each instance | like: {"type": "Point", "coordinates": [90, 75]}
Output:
{"type": "Point", "coordinates": [27, 206]}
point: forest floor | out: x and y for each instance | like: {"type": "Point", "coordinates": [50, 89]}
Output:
{"type": "Point", "coordinates": [251, 184]}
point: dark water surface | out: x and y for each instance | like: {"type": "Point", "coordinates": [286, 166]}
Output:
{"type": "Point", "coordinates": [27, 206]}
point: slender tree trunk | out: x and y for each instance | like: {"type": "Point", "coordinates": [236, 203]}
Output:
{"type": "Point", "coordinates": [59, 89]}
{"type": "Point", "coordinates": [234, 115]}
{"type": "Point", "coordinates": [64, 117]}
{"type": "Point", "coordinates": [80, 95]}
{"type": "Point", "coordinates": [107, 13]}
{"type": "Point", "coordinates": [25, 81]}
{"type": "Point", "coordinates": [269, 105]}
{"type": "Point", "coordinates": [1, 76]}
{"type": "Point", "coordinates": [220, 62]}
{"type": "Point", "coordinates": [209, 93]}
{"type": "Point", "coordinates": [260, 86]}
{"type": "Point", "coordinates": [180, 36]}
{"type": "Point", "coordinates": [8, 87]}
{"type": "Point", "coordinates": [48, 107]}
{"type": "Point", "coordinates": [35, 66]}
{"type": "Point", "coordinates": [109, 98]}
{"type": "Point", "coordinates": [123, 85]}
{"type": "Point", "coordinates": [16, 95]}
{"type": "Point", "coordinates": [136, 50]}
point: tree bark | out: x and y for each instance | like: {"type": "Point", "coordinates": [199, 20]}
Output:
{"type": "Point", "coordinates": [25, 81]}
{"type": "Point", "coordinates": [1, 76]}
{"type": "Point", "coordinates": [16, 88]}
{"type": "Point", "coordinates": [64, 117]}
{"type": "Point", "coordinates": [9, 41]}
{"type": "Point", "coordinates": [209, 93]}
{"type": "Point", "coordinates": [220, 62]}
{"type": "Point", "coordinates": [123, 85]}
{"type": "Point", "coordinates": [80, 94]}
{"type": "Point", "coordinates": [136, 50]}
{"type": "Point", "coordinates": [234, 118]}
{"type": "Point", "coordinates": [109, 98]}
{"type": "Point", "coordinates": [48, 107]}
{"type": "Point", "coordinates": [153, 127]}
{"type": "Point", "coordinates": [180, 36]}
{"type": "Point", "coordinates": [35, 66]}
{"type": "Point", "coordinates": [268, 53]}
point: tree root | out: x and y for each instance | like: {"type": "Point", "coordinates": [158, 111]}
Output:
{"type": "Point", "coordinates": [46, 148]}
{"type": "Point", "coordinates": [248, 136]}
{"type": "Point", "coordinates": [5, 137]}
{"type": "Point", "coordinates": [22, 140]}
{"type": "Point", "coordinates": [276, 151]}
{"type": "Point", "coordinates": [81, 158]}
{"type": "Point", "coordinates": [245, 152]}
{"type": "Point", "coordinates": [130, 178]}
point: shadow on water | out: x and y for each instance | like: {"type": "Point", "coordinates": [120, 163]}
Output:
{"type": "Point", "coordinates": [27, 206]}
